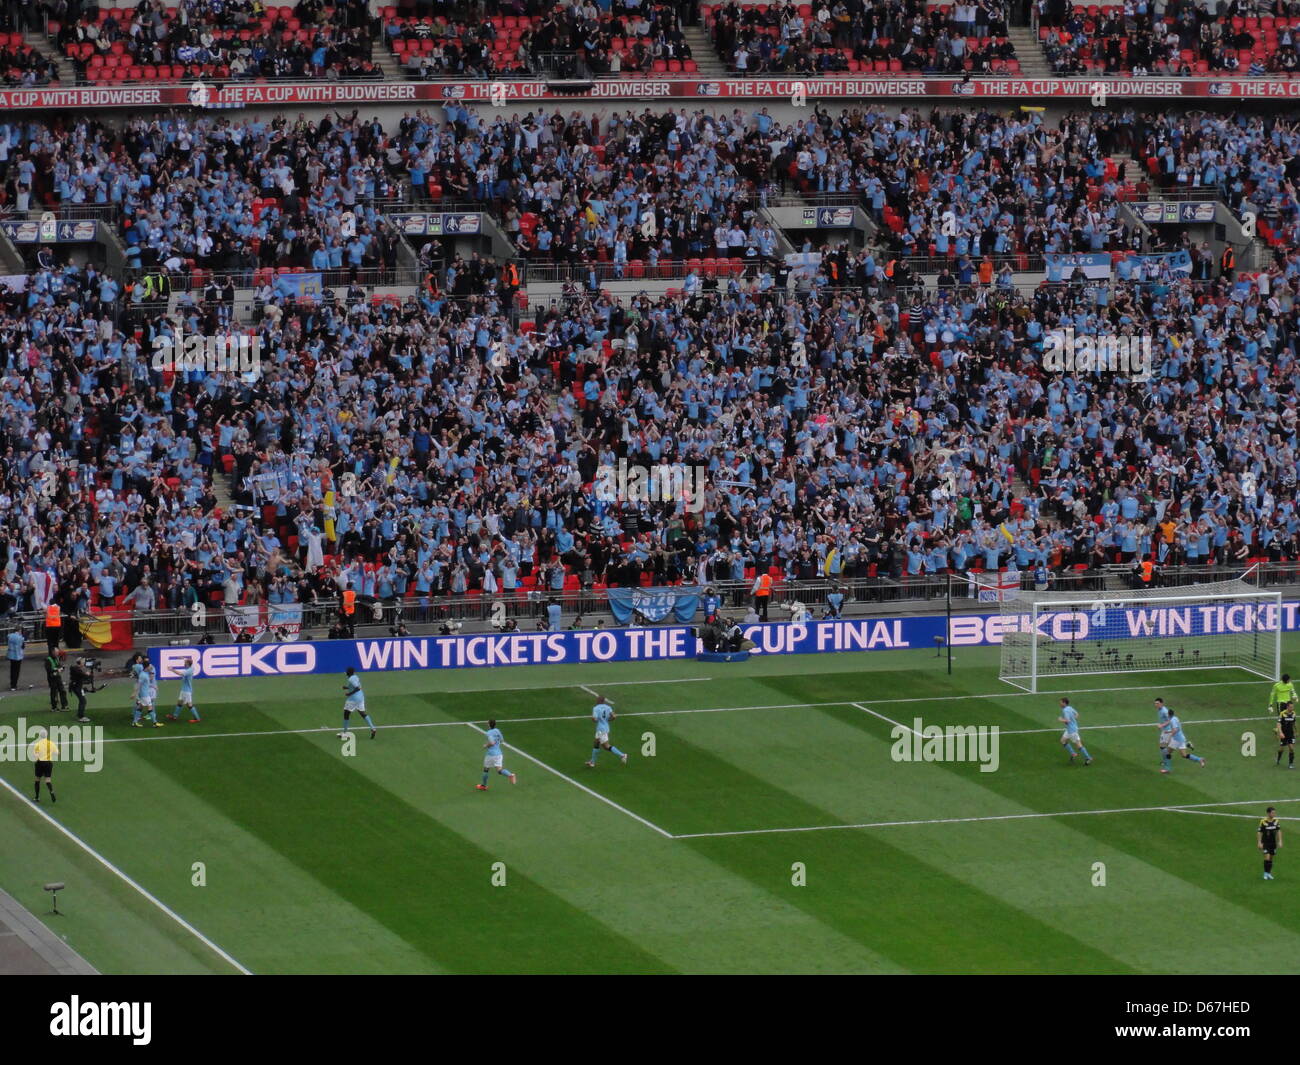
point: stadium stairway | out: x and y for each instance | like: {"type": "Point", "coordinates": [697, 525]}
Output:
{"type": "Point", "coordinates": [710, 67]}
{"type": "Point", "coordinates": [1127, 165]}
{"type": "Point", "coordinates": [1033, 63]}
{"type": "Point", "coordinates": [387, 62]}
{"type": "Point", "coordinates": [40, 43]}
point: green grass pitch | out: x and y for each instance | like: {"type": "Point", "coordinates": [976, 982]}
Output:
{"type": "Point", "coordinates": [770, 831]}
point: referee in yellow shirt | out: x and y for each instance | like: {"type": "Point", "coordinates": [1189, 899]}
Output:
{"type": "Point", "coordinates": [1283, 692]}
{"type": "Point", "coordinates": [44, 751]}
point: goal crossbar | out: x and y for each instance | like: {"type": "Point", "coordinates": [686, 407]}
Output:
{"type": "Point", "coordinates": [1048, 634]}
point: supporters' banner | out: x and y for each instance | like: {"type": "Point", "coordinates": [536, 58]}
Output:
{"type": "Point", "coordinates": [653, 604]}
{"type": "Point", "coordinates": [1095, 265]}
{"type": "Point", "coordinates": [13, 282]}
{"type": "Point", "coordinates": [107, 630]}
{"type": "Point", "coordinates": [1005, 587]}
{"type": "Point", "coordinates": [851, 86]}
{"type": "Point", "coordinates": [249, 620]}
{"type": "Point", "coordinates": [268, 486]}
{"type": "Point", "coordinates": [284, 620]}
{"type": "Point", "coordinates": [678, 641]}
{"type": "Point", "coordinates": [300, 286]}
{"type": "Point", "coordinates": [803, 264]}
{"type": "Point", "coordinates": [1179, 263]}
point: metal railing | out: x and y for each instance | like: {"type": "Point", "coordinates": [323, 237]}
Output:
{"type": "Point", "coordinates": [560, 66]}
{"type": "Point", "coordinates": [1021, 263]}
{"type": "Point", "coordinates": [71, 212]}
{"type": "Point", "coordinates": [637, 269]}
{"type": "Point", "coordinates": [1158, 192]}
{"type": "Point", "coordinates": [527, 607]}
{"type": "Point", "coordinates": [341, 278]}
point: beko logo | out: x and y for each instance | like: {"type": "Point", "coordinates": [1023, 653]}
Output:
{"type": "Point", "coordinates": [241, 660]}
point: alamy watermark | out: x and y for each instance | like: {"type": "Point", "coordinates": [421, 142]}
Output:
{"type": "Point", "coordinates": [83, 744]}
{"type": "Point", "coordinates": [224, 353]}
{"type": "Point", "coordinates": [133, 1020]}
{"type": "Point", "coordinates": [947, 743]}
{"type": "Point", "coordinates": [1066, 352]}
{"type": "Point", "coordinates": [661, 483]}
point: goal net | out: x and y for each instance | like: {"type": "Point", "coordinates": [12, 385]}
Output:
{"type": "Point", "coordinates": [1224, 625]}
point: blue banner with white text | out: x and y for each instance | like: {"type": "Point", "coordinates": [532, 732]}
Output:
{"type": "Point", "coordinates": [678, 641]}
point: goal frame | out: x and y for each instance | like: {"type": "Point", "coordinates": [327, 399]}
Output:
{"type": "Point", "coordinates": [1184, 594]}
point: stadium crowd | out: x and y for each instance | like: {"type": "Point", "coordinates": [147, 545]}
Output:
{"type": "Point", "coordinates": [849, 425]}
{"type": "Point", "coordinates": [652, 187]}
{"type": "Point", "coordinates": [1178, 37]}
{"type": "Point", "coordinates": [1252, 163]}
{"type": "Point", "coordinates": [242, 39]}
{"type": "Point", "coordinates": [826, 37]}
{"type": "Point", "coordinates": [219, 194]}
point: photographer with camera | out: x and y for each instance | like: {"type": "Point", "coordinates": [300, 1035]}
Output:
{"type": "Point", "coordinates": [81, 681]}
{"type": "Point", "coordinates": [54, 674]}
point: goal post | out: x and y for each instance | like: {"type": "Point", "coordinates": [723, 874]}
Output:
{"type": "Point", "coordinates": [1223, 625]}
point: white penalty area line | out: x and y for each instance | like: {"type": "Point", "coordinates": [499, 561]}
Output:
{"type": "Point", "coordinates": [1185, 808]}
{"type": "Point", "coordinates": [127, 880]}
{"type": "Point", "coordinates": [890, 720]}
{"type": "Point", "coordinates": [577, 784]}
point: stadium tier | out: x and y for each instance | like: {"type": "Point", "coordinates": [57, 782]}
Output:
{"type": "Point", "coordinates": [884, 37]}
{"type": "Point", "coordinates": [153, 42]}
{"type": "Point", "coordinates": [851, 431]}
{"type": "Point", "coordinates": [1192, 39]}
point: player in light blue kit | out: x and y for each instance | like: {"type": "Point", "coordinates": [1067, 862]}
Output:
{"type": "Point", "coordinates": [1177, 744]}
{"type": "Point", "coordinates": [145, 694]}
{"type": "Point", "coordinates": [186, 696]}
{"type": "Point", "coordinates": [603, 715]}
{"type": "Point", "coordinates": [492, 756]}
{"type": "Point", "coordinates": [1070, 738]}
{"type": "Point", "coordinates": [137, 672]}
{"type": "Point", "coordinates": [1162, 719]}
{"type": "Point", "coordinates": [354, 700]}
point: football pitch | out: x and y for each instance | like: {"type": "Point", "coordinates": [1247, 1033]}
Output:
{"type": "Point", "coordinates": [762, 824]}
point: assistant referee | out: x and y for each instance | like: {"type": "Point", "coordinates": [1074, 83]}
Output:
{"type": "Point", "coordinates": [1283, 692]}
{"type": "Point", "coordinates": [44, 752]}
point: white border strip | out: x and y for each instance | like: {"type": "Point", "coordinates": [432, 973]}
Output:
{"type": "Point", "coordinates": [126, 879]}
